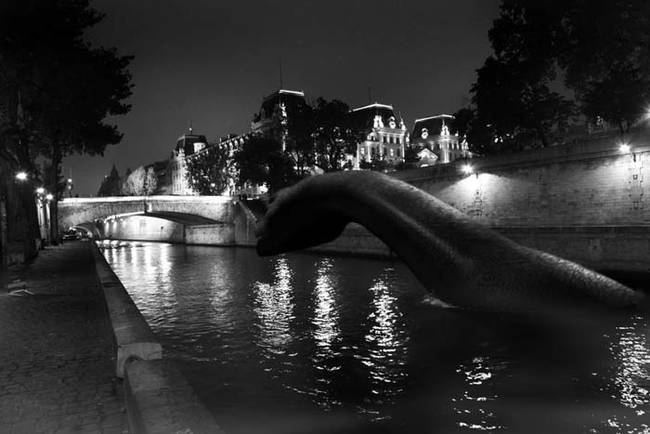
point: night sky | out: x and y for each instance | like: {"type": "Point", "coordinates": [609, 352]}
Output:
{"type": "Point", "coordinates": [211, 62]}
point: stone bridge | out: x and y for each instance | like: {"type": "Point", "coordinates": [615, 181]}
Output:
{"type": "Point", "coordinates": [215, 220]}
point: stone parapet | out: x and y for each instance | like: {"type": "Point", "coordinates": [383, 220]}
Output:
{"type": "Point", "coordinates": [133, 337]}
{"type": "Point", "coordinates": [160, 400]}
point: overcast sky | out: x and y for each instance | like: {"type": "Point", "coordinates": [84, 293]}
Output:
{"type": "Point", "coordinates": [211, 62]}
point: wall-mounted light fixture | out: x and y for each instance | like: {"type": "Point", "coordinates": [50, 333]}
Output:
{"type": "Point", "coordinates": [467, 169]}
{"type": "Point", "coordinates": [625, 148]}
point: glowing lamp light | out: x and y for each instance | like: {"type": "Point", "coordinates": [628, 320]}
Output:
{"type": "Point", "coordinates": [624, 148]}
{"type": "Point", "coordinates": [40, 190]}
{"type": "Point", "coordinates": [49, 197]}
{"type": "Point", "coordinates": [467, 169]}
{"type": "Point", "coordinates": [69, 180]}
{"type": "Point", "coordinates": [21, 176]}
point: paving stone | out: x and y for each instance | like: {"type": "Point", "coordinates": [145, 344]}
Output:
{"type": "Point", "coordinates": [56, 349]}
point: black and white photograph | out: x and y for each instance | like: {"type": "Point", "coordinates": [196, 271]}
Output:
{"type": "Point", "coordinates": [324, 217]}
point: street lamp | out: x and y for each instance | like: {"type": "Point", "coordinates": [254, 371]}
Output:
{"type": "Point", "coordinates": [40, 190]}
{"type": "Point", "coordinates": [21, 176]}
{"type": "Point", "coordinates": [49, 196]}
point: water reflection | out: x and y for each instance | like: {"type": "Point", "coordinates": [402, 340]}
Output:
{"type": "Point", "coordinates": [631, 379]}
{"type": "Point", "coordinates": [326, 331]}
{"type": "Point", "coordinates": [475, 408]}
{"type": "Point", "coordinates": [325, 312]}
{"type": "Point", "coordinates": [387, 342]}
{"type": "Point", "coordinates": [274, 309]}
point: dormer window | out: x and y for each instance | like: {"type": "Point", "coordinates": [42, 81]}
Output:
{"type": "Point", "coordinates": [198, 146]}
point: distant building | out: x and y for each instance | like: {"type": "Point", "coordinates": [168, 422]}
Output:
{"type": "Point", "coordinates": [186, 145]}
{"type": "Point", "coordinates": [275, 112]}
{"type": "Point", "coordinates": [436, 136]}
{"type": "Point", "coordinates": [384, 137]}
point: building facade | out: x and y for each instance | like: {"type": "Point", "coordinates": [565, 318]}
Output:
{"type": "Point", "coordinates": [186, 145]}
{"type": "Point", "coordinates": [383, 137]}
{"type": "Point", "coordinates": [436, 140]}
{"type": "Point", "coordinates": [277, 109]}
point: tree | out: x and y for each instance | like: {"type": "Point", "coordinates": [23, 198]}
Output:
{"type": "Point", "coordinates": [377, 163]}
{"type": "Point", "coordinates": [150, 181]}
{"type": "Point", "coordinates": [57, 89]}
{"type": "Point", "coordinates": [606, 56]}
{"type": "Point", "coordinates": [299, 138]}
{"type": "Point", "coordinates": [261, 161]}
{"type": "Point", "coordinates": [513, 106]}
{"type": "Point", "coordinates": [333, 136]}
{"type": "Point", "coordinates": [111, 184]}
{"type": "Point", "coordinates": [134, 182]}
{"type": "Point", "coordinates": [601, 50]}
{"type": "Point", "coordinates": [207, 171]}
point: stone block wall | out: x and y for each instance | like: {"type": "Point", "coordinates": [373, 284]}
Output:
{"type": "Point", "coordinates": [562, 186]}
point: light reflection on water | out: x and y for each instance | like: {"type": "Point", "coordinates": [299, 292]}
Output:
{"type": "Point", "coordinates": [631, 376]}
{"type": "Point", "coordinates": [474, 408]}
{"type": "Point", "coordinates": [274, 309]}
{"type": "Point", "coordinates": [326, 316]}
{"type": "Point", "coordinates": [304, 332]}
{"type": "Point", "coordinates": [386, 343]}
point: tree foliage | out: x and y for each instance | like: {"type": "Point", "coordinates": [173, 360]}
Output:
{"type": "Point", "coordinates": [111, 184]}
{"type": "Point", "coordinates": [536, 46]}
{"type": "Point", "coordinates": [261, 161]}
{"type": "Point", "coordinates": [333, 136]}
{"type": "Point", "coordinates": [208, 171]}
{"type": "Point", "coordinates": [135, 182]}
{"type": "Point", "coordinates": [56, 89]}
{"type": "Point", "coordinates": [150, 181]}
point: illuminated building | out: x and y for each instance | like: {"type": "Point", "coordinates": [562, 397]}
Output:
{"type": "Point", "coordinates": [273, 118]}
{"type": "Point", "coordinates": [437, 141]}
{"type": "Point", "coordinates": [384, 139]}
{"type": "Point", "coordinates": [186, 145]}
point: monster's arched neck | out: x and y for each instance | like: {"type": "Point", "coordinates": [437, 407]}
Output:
{"type": "Point", "coordinates": [461, 261]}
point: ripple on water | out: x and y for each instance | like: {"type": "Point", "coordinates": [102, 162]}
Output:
{"type": "Point", "coordinates": [348, 342]}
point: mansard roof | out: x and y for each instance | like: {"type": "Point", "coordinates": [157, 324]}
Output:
{"type": "Point", "coordinates": [291, 98]}
{"type": "Point", "coordinates": [433, 124]}
{"type": "Point", "coordinates": [187, 141]}
{"type": "Point", "coordinates": [362, 118]}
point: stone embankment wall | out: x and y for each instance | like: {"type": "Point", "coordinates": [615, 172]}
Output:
{"type": "Point", "coordinates": [158, 398]}
{"type": "Point", "coordinates": [587, 202]}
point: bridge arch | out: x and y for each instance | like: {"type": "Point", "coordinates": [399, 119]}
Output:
{"type": "Point", "coordinates": [76, 211]}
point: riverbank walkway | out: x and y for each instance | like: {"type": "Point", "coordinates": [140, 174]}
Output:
{"type": "Point", "coordinates": [57, 361]}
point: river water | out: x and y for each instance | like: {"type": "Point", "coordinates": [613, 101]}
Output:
{"type": "Point", "coordinates": [324, 344]}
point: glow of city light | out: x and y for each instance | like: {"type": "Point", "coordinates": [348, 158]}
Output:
{"type": "Point", "coordinates": [467, 169]}
{"type": "Point", "coordinates": [40, 190]}
{"type": "Point", "coordinates": [69, 180]}
{"type": "Point", "coordinates": [624, 148]}
{"type": "Point", "coordinates": [49, 197]}
{"type": "Point", "coordinates": [21, 176]}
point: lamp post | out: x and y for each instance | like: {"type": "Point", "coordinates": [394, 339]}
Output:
{"type": "Point", "coordinates": [69, 186]}
{"type": "Point", "coordinates": [30, 215]}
